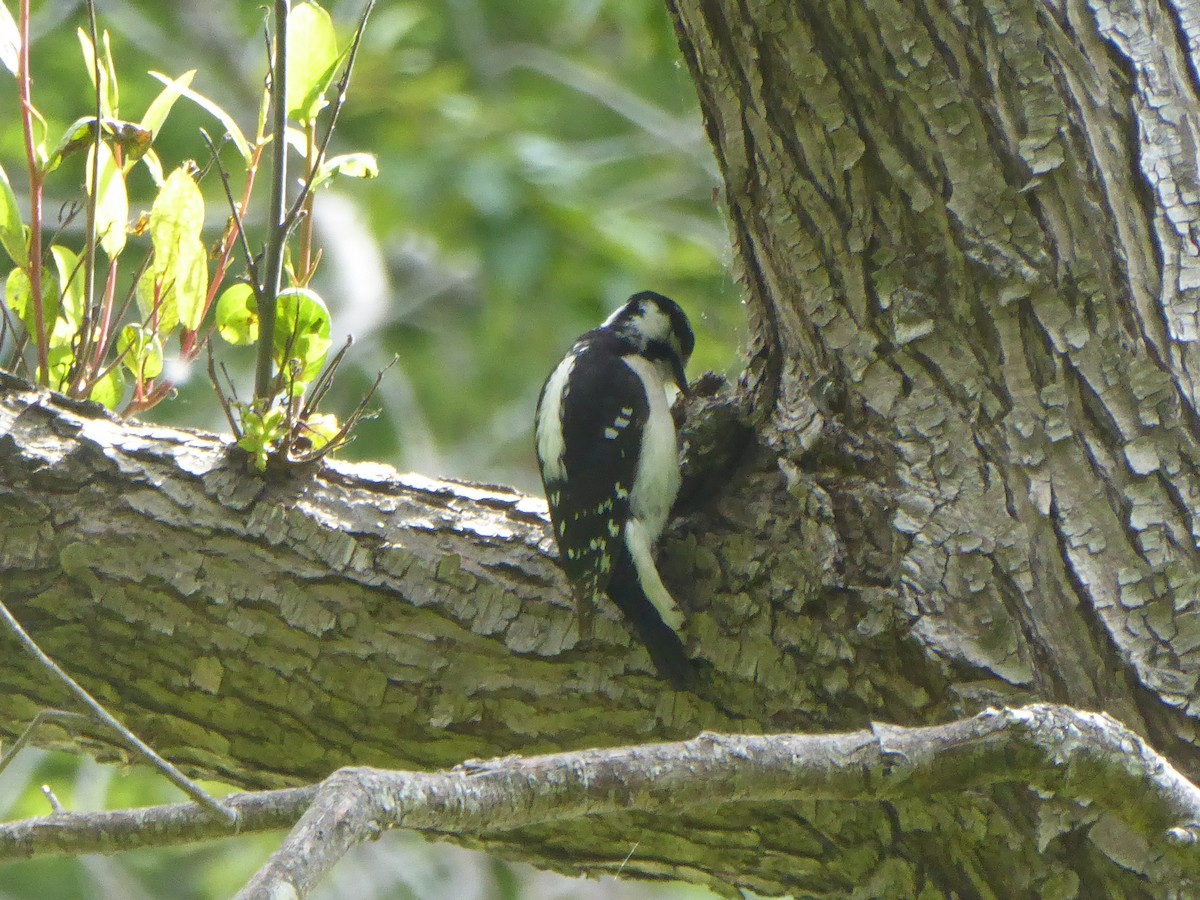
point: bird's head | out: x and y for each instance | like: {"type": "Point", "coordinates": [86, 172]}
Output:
{"type": "Point", "coordinates": [657, 328]}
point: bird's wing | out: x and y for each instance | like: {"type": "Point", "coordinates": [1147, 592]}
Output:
{"type": "Point", "coordinates": [602, 435]}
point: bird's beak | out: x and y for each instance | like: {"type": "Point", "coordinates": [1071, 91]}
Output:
{"type": "Point", "coordinates": [680, 377]}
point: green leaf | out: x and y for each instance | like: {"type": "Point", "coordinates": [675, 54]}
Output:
{"type": "Point", "coordinates": [237, 315]}
{"type": "Point", "coordinates": [12, 232]}
{"type": "Point", "coordinates": [60, 359]}
{"type": "Point", "coordinates": [110, 389]}
{"type": "Point", "coordinates": [106, 70]}
{"type": "Point", "coordinates": [261, 434]}
{"type": "Point", "coordinates": [156, 301]}
{"type": "Point", "coordinates": [154, 166]}
{"type": "Point", "coordinates": [113, 99]}
{"type": "Point", "coordinates": [180, 267]}
{"type": "Point", "coordinates": [191, 288]}
{"type": "Point", "coordinates": [79, 134]}
{"type": "Point", "coordinates": [312, 60]}
{"type": "Point", "coordinates": [141, 352]}
{"type": "Point", "coordinates": [320, 429]}
{"type": "Point", "coordinates": [18, 292]}
{"type": "Point", "coordinates": [231, 128]}
{"type": "Point", "coordinates": [301, 334]}
{"type": "Point", "coordinates": [10, 40]}
{"type": "Point", "coordinates": [112, 202]}
{"type": "Point", "coordinates": [352, 165]}
{"type": "Point", "coordinates": [70, 269]}
{"type": "Point", "coordinates": [160, 106]}
{"type": "Point", "coordinates": [133, 140]}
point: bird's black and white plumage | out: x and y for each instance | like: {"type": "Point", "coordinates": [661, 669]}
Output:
{"type": "Point", "coordinates": [609, 457]}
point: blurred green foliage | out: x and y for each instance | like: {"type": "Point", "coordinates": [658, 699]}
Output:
{"type": "Point", "coordinates": [539, 162]}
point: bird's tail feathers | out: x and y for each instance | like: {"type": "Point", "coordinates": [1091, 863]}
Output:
{"type": "Point", "coordinates": [666, 649]}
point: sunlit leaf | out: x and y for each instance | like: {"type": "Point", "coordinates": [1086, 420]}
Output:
{"type": "Point", "coordinates": [191, 286]}
{"type": "Point", "coordinates": [133, 140]}
{"type": "Point", "coordinates": [142, 352]}
{"type": "Point", "coordinates": [312, 60]}
{"type": "Point", "coordinates": [17, 292]}
{"type": "Point", "coordinates": [113, 99]}
{"type": "Point", "coordinates": [110, 389]}
{"type": "Point", "coordinates": [231, 127]}
{"type": "Point", "coordinates": [154, 166]}
{"type": "Point", "coordinates": [79, 135]}
{"type": "Point", "coordinates": [160, 106]}
{"type": "Point", "coordinates": [12, 232]}
{"type": "Point", "coordinates": [112, 202]}
{"type": "Point", "coordinates": [261, 434]}
{"type": "Point", "coordinates": [18, 295]}
{"type": "Point", "coordinates": [237, 315]}
{"type": "Point", "coordinates": [297, 140]}
{"type": "Point", "coordinates": [108, 86]}
{"type": "Point", "coordinates": [156, 300]}
{"type": "Point", "coordinates": [71, 274]}
{"type": "Point", "coordinates": [180, 265]}
{"type": "Point", "coordinates": [320, 429]}
{"type": "Point", "coordinates": [10, 40]}
{"type": "Point", "coordinates": [301, 334]}
{"type": "Point", "coordinates": [352, 165]}
{"type": "Point", "coordinates": [60, 360]}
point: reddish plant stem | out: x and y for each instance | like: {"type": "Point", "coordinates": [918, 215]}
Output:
{"type": "Point", "coordinates": [25, 84]}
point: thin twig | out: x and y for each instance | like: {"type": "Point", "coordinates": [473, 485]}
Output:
{"type": "Point", "coordinates": [338, 102]}
{"type": "Point", "coordinates": [89, 242]}
{"type": "Point", "coordinates": [221, 398]}
{"type": "Point", "coordinates": [131, 740]}
{"type": "Point", "coordinates": [56, 716]}
{"type": "Point", "coordinates": [340, 439]}
{"type": "Point", "coordinates": [234, 210]}
{"type": "Point", "coordinates": [25, 86]}
{"type": "Point", "coordinates": [51, 799]}
{"type": "Point", "coordinates": [316, 393]}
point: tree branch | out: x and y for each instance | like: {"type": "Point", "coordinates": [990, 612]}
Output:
{"type": "Point", "coordinates": [1071, 755]}
{"type": "Point", "coordinates": [1058, 750]}
{"type": "Point", "coordinates": [71, 834]}
{"type": "Point", "coordinates": [144, 751]}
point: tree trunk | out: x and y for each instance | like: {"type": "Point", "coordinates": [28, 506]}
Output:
{"type": "Point", "coordinates": [970, 478]}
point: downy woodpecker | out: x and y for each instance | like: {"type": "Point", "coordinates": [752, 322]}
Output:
{"type": "Point", "coordinates": [609, 458]}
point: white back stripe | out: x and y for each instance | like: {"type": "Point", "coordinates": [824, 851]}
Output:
{"type": "Point", "coordinates": [551, 444]}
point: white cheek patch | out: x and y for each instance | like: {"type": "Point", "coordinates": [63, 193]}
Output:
{"type": "Point", "coordinates": [652, 322]}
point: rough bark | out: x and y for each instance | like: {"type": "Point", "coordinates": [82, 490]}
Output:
{"type": "Point", "coordinates": [966, 235]}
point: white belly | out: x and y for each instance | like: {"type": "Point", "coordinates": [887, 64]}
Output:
{"type": "Point", "coordinates": [658, 465]}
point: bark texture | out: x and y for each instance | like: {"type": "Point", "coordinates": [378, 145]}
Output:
{"type": "Point", "coordinates": [966, 231]}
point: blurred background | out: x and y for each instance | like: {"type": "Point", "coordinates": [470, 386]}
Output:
{"type": "Point", "coordinates": [539, 162]}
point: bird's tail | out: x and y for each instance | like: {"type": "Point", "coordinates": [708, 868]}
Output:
{"type": "Point", "coordinates": [664, 645]}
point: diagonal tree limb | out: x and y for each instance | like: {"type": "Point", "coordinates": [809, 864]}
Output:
{"type": "Point", "coordinates": [127, 737]}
